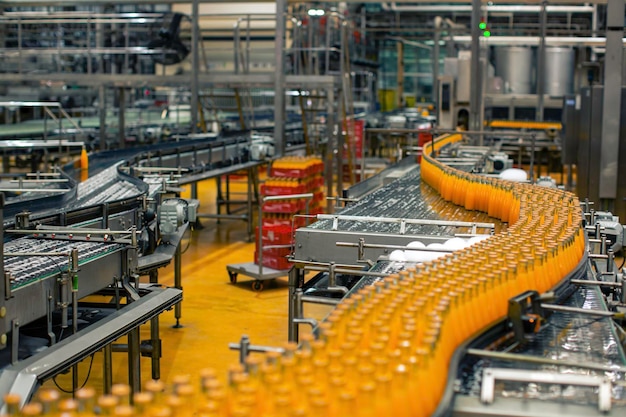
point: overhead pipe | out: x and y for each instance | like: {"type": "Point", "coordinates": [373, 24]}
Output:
{"type": "Point", "coordinates": [593, 41]}
{"type": "Point", "coordinates": [513, 8]}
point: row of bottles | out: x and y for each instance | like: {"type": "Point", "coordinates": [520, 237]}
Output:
{"type": "Point", "coordinates": [385, 350]}
{"type": "Point", "coordinates": [296, 166]}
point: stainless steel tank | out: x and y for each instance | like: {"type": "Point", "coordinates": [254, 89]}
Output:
{"type": "Point", "coordinates": [515, 64]}
{"type": "Point", "coordinates": [559, 74]}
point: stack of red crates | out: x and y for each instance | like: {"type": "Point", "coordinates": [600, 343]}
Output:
{"type": "Point", "coordinates": [288, 175]}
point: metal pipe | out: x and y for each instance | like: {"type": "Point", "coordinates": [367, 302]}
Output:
{"type": "Point", "coordinates": [596, 283]}
{"type": "Point", "coordinates": [311, 322]}
{"type": "Point", "coordinates": [543, 361]}
{"type": "Point", "coordinates": [381, 246]}
{"type": "Point", "coordinates": [590, 41]}
{"type": "Point", "coordinates": [337, 217]}
{"type": "Point", "coordinates": [33, 190]}
{"type": "Point", "coordinates": [320, 300]}
{"type": "Point", "coordinates": [436, 37]}
{"type": "Point", "coordinates": [8, 254]}
{"type": "Point", "coordinates": [195, 65]}
{"type": "Point", "coordinates": [576, 310]}
{"type": "Point", "coordinates": [490, 8]}
{"type": "Point", "coordinates": [541, 60]}
{"type": "Point", "coordinates": [476, 73]}
{"type": "Point", "coordinates": [610, 262]}
{"type": "Point", "coordinates": [279, 80]}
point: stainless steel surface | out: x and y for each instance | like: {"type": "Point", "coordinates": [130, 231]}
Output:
{"type": "Point", "coordinates": [612, 101]}
{"type": "Point", "coordinates": [590, 41]}
{"type": "Point", "coordinates": [559, 70]}
{"type": "Point", "coordinates": [541, 63]}
{"type": "Point", "coordinates": [24, 377]}
{"type": "Point", "coordinates": [476, 73]}
{"type": "Point", "coordinates": [279, 78]}
{"type": "Point", "coordinates": [491, 375]}
{"type": "Point", "coordinates": [566, 337]}
{"type": "Point", "coordinates": [515, 65]}
{"type": "Point", "coordinates": [516, 357]}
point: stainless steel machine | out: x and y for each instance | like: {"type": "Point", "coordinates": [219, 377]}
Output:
{"type": "Point", "coordinates": [65, 240]}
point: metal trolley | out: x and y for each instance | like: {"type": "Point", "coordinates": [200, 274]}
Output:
{"type": "Point", "coordinates": [257, 271]}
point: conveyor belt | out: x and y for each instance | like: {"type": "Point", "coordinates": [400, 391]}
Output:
{"type": "Point", "coordinates": [406, 197]}
{"type": "Point", "coordinates": [103, 187]}
{"type": "Point", "coordinates": [27, 269]}
{"type": "Point", "coordinates": [569, 337]}
{"type": "Point", "coordinates": [107, 186]}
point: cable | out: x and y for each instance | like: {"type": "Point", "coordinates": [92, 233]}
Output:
{"type": "Point", "coordinates": [188, 241]}
{"type": "Point", "coordinates": [54, 379]}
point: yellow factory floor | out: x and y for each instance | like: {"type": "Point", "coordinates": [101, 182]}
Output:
{"type": "Point", "coordinates": [214, 311]}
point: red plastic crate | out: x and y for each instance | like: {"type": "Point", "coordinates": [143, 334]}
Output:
{"type": "Point", "coordinates": [290, 173]}
{"type": "Point", "coordinates": [275, 234]}
{"type": "Point", "coordinates": [284, 206]}
{"type": "Point", "coordinates": [270, 220]}
{"type": "Point", "coordinates": [272, 261]}
{"type": "Point", "coordinates": [277, 190]}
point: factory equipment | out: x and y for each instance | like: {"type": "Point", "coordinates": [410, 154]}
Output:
{"type": "Point", "coordinates": [172, 213]}
{"type": "Point", "coordinates": [174, 44]}
{"type": "Point", "coordinates": [556, 335]}
{"type": "Point", "coordinates": [515, 65]}
{"type": "Point", "coordinates": [99, 236]}
{"type": "Point", "coordinates": [498, 162]}
{"type": "Point", "coordinates": [589, 144]}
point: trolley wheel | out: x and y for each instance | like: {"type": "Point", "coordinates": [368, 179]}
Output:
{"type": "Point", "coordinates": [257, 285]}
{"type": "Point", "coordinates": [233, 277]}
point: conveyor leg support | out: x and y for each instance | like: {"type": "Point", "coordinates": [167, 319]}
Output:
{"type": "Point", "coordinates": [107, 377]}
{"type": "Point", "coordinates": [178, 283]}
{"type": "Point", "coordinates": [156, 347]}
{"type": "Point", "coordinates": [134, 360]}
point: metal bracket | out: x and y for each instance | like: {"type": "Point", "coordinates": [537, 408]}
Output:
{"type": "Point", "coordinates": [244, 347]}
{"type": "Point", "coordinates": [491, 375]}
{"type": "Point", "coordinates": [524, 315]}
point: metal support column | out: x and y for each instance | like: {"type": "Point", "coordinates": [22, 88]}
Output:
{"type": "Point", "coordinates": [121, 124]}
{"type": "Point", "coordinates": [292, 329]}
{"type": "Point", "coordinates": [541, 61]}
{"type": "Point", "coordinates": [279, 80]}
{"type": "Point", "coordinates": [134, 360]}
{"type": "Point", "coordinates": [400, 76]}
{"type": "Point", "coordinates": [330, 150]}
{"type": "Point", "coordinates": [336, 140]}
{"type": "Point", "coordinates": [103, 117]}
{"type": "Point", "coordinates": [155, 341]}
{"type": "Point", "coordinates": [436, 38]}
{"type": "Point", "coordinates": [612, 100]}
{"type": "Point", "coordinates": [249, 209]}
{"type": "Point", "coordinates": [476, 87]}
{"type": "Point", "coordinates": [107, 369]}
{"type": "Point", "coordinates": [178, 283]}
{"type": "Point", "coordinates": [195, 65]}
